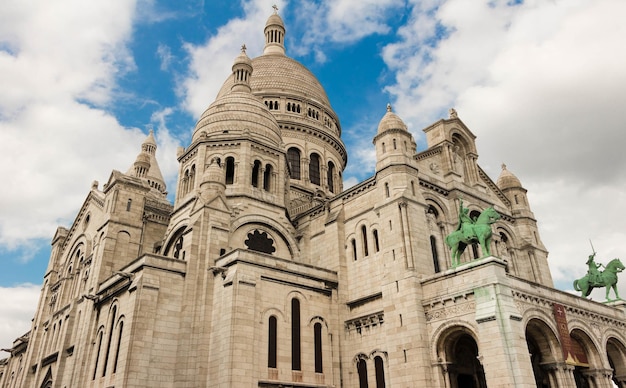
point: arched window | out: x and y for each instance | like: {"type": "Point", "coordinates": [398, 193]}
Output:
{"type": "Point", "coordinates": [364, 237]}
{"type": "Point", "coordinates": [95, 368]}
{"type": "Point", "coordinates": [192, 177]}
{"type": "Point", "coordinates": [272, 343]}
{"type": "Point", "coordinates": [353, 243]}
{"type": "Point", "coordinates": [329, 177]}
{"type": "Point", "coordinates": [106, 354]}
{"type": "Point", "coordinates": [317, 339]}
{"type": "Point", "coordinates": [293, 158]}
{"type": "Point", "coordinates": [387, 190]}
{"type": "Point", "coordinates": [255, 173]}
{"type": "Point", "coordinates": [230, 170]}
{"type": "Point", "coordinates": [433, 249]}
{"type": "Point", "coordinates": [376, 243]}
{"type": "Point", "coordinates": [128, 204]}
{"type": "Point", "coordinates": [119, 343]}
{"type": "Point", "coordinates": [296, 363]}
{"type": "Point", "coordinates": [314, 169]}
{"type": "Point", "coordinates": [267, 177]}
{"type": "Point", "coordinates": [361, 368]}
{"type": "Point", "coordinates": [380, 372]}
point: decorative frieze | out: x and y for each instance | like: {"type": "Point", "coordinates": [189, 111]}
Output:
{"type": "Point", "coordinates": [365, 323]}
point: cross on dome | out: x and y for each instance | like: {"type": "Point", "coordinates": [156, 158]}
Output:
{"type": "Point", "coordinates": [275, 8]}
{"type": "Point", "coordinates": [243, 48]}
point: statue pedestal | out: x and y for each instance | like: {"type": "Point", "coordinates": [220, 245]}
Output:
{"type": "Point", "coordinates": [619, 303]}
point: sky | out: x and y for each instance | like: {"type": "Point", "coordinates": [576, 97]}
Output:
{"type": "Point", "coordinates": [540, 83]}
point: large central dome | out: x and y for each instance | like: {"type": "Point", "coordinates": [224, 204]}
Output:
{"type": "Point", "coordinates": [282, 75]}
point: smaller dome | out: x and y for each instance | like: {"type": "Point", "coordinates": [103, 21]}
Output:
{"type": "Point", "coordinates": [507, 180]}
{"type": "Point", "coordinates": [150, 140]}
{"type": "Point", "coordinates": [275, 20]}
{"type": "Point", "coordinates": [213, 174]}
{"type": "Point", "coordinates": [391, 121]}
{"type": "Point", "coordinates": [242, 58]}
{"type": "Point", "coordinates": [143, 158]}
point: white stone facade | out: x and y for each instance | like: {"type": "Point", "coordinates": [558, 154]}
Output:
{"type": "Point", "coordinates": [266, 273]}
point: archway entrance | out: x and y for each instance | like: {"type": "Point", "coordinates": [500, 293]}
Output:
{"type": "Point", "coordinates": [464, 365]}
{"type": "Point", "coordinates": [616, 353]}
{"type": "Point", "coordinates": [542, 347]}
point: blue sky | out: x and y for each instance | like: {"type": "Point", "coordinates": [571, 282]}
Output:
{"type": "Point", "coordinates": [540, 84]}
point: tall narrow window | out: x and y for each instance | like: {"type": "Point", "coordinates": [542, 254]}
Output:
{"type": "Point", "coordinates": [267, 177]}
{"type": "Point", "coordinates": [317, 339]}
{"type": "Point", "coordinates": [387, 190]}
{"type": "Point", "coordinates": [376, 244]}
{"type": "Point", "coordinates": [95, 368]}
{"type": "Point", "coordinates": [364, 238]}
{"type": "Point", "coordinates": [106, 354]}
{"type": "Point", "coordinates": [272, 343]}
{"type": "Point", "coordinates": [293, 158]}
{"type": "Point", "coordinates": [119, 343]}
{"type": "Point", "coordinates": [296, 363]}
{"type": "Point", "coordinates": [128, 204]}
{"type": "Point", "coordinates": [433, 249]}
{"type": "Point", "coordinates": [329, 177]}
{"type": "Point", "coordinates": [380, 372]}
{"type": "Point", "coordinates": [353, 243]}
{"type": "Point", "coordinates": [230, 170]}
{"type": "Point", "coordinates": [361, 368]}
{"type": "Point", "coordinates": [314, 169]}
{"type": "Point", "coordinates": [255, 173]}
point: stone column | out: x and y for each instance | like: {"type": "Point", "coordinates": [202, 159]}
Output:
{"type": "Point", "coordinates": [406, 234]}
{"type": "Point", "coordinates": [599, 378]}
{"type": "Point", "coordinates": [621, 380]}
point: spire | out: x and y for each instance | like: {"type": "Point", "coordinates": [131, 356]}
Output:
{"type": "Point", "coordinates": [146, 166]}
{"type": "Point", "coordinates": [274, 34]}
{"type": "Point", "coordinates": [242, 70]}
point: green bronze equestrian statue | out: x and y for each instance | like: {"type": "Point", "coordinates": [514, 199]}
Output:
{"type": "Point", "coordinates": [596, 278]}
{"type": "Point", "coordinates": [470, 231]}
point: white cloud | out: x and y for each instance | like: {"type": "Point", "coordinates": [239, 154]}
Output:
{"type": "Point", "coordinates": [210, 63]}
{"type": "Point", "coordinates": [59, 63]}
{"type": "Point", "coordinates": [541, 85]}
{"type": "Point", "coordinates": [343, 21]}
{"type": "Point", "coordinates": [17, 309]}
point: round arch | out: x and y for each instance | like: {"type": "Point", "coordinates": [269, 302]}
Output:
{"type": "Point", "coordinates": [457, 348]}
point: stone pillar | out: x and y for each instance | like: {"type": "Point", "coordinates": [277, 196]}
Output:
{"type": "Point", "coordinates": [406, 235]}
{"type": "Point", "coordinates": [599, 378]}
{"type": "Point", "coordinates": [501, 333]}
{"type": "Point", "coordinates": [621, 380]}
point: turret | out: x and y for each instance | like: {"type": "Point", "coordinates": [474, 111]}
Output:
{"type": "Point", "coordinates": [146, 166]}
{"type": "Point", "coordinates": [274, 35]}
{"type": "Point", "coordinates": [516, 194]}
{"type": "Point", "coordinates": [393, 141]}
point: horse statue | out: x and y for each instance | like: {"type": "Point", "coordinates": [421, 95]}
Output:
{"type": "Point", "coordinates": [606, 278]}
{"type": "Point", "coordinates": [469, 233]}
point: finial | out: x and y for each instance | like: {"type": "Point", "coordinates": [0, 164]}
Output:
{"type": "Point", "coordinates": [388, 107]}
{"type": "Point", "coordinates": [453, 114]}
{"type": "Point", "coordinates": [275, 9]}
{"type": "Point", "coordinates": [503, 166]}
{"type": "Point", "coordinates": [243, 48]}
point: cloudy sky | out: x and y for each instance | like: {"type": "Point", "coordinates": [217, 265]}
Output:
{"type": "Point", "coordinates": [541, 84]}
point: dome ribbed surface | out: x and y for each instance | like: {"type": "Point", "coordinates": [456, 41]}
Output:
{"type": "Point", "coordinates": [283, 75]}
{"type": "Point", "coordinates": [236, 112]}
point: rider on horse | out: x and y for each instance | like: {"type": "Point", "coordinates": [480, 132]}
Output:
{"type": "Point", "coordinates": [465, 222]}
{"type": "Point", "coordinates": [593, 274]}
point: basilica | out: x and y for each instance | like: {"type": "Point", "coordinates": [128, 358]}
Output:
{"type": "Point", "coordinates": [266, 272]}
